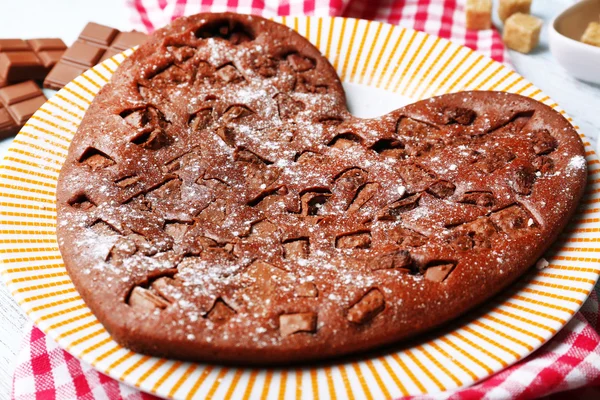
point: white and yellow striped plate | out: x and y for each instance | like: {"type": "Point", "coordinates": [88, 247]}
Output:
{"type": "Point", "coordinates": [384, 59]}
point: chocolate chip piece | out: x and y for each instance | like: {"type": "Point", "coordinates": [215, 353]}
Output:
{"type": "Point", "coordinates": [359, 240]}
{"type": "Point", "coordinates": [154, 140]}
{"type": "Point", "coordinates": [494, 159]}
{"type": "Point", "coordinates": [416, 175]}
{"type": "Point", "coordinates": [543, 142]}
{"type": "Point", "coordinates": [236, 112]}
{"type": "Point", "coordinates": [442, 189]}
{"type": "Point", "coordinates": [95, 159]}
{"type": "Point", "coordinates": [366, 193]}
{"type": "Point", "coordinates": [288, 107]}
{"type": "Point", "coordinates": [299, 322]}
{"type": "Point", "coordinates": [201, 120]}
{"type": "Point", "coordinates": [173, 74]}
{"type": "Point", "coordinates": [309, 156]}
{"type": "Point", "coordinates": [127, 181]}
{"type": "Point", "coordinates": [513, 218]}
{"type": "Point", "coordinates": [462, 242]}
{"type": "Point", "coordinates": [136, 118]}
{"type": "Point", "coordinates": [396, 259]}
{"type": "Point", "coordinates": [313, 202]}
{"type": "Point", "coordinates": [475, 234]}
{"type": "Point", "coordinates": [310, 84]}
{"type": "Point", "coordinates": [412, 128]}
{"type": "Point", "coordinates": [389, 148]}
{"type": "Point", "coordinates": [345, 141]}
{"type": "Point", "coordinates": [82, 202]}
{"type": "Point", "coordinates": [122, 249]}
{"type": "Point", "coordinates": [181, 53]}
{"type": "Point", "coordinates": [248, 156]}
{"type": "Point", "coordinates": [367, 308]}
{"type": "Point", "coordinates": [419, 147]}
{"type": "Point", "coordinates": [205, 73]}
{"type": "Point", "coordinates": [265, 66]}
{"type": "Point", "coordinates": [482, 230]}
{"type": "Point", "coordinates": [438, 273]}
{"type": "Point", "coordinates": [306, 289]}
{"type": "Point", "coordinates": [263, 228]}
{"type": "Point", "coordinates": [229, 74]}
{"type": "Point", "coordinates": [463, 116]}
{"type": "Point", "coordinates": [544, 164]}
{"type": "Point", "coordinates": [482, 199]}
{"type": "Point", "coordinates": [104, 229]}
{"type": "Point", "coordinates": [396, 208]}
{"type": "Point", "coordinates": [169, 189]}
{"type": "Point", "coordinates": [220, 312]}
{"type": "Point", "coordinates": [350, 180]}
{"type": "Point", "coordinates": [150, 125]}
{"type": "Point", "coordinates": [296, 249]}
{"type": "Point", "coordinates": [226, 134]}
{"type": "Point", "coordinates": [215, 213]}
{"type": "Point", "coordinates": [234, 32]}
{"type": "Point", "coordinates": [164, 286]}
{"type": "Point", "coordinates": [145, 300]}
{"type": "Point", "coordinates": [300, 63]}
{"type": "Point", "coordinates": [523, 180]}
{"type": "Point", "coordinates": [176, 230]}
{"type": "Point", "coordinates": [407, 237]}
{"type": "Point", "coordinates": [142, 244]}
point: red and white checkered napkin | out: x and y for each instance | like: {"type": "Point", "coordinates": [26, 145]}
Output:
{"type": "Point", "coordinates": [568, 366]}
{"type": "Point", "coordinates": [569, 362]}
{"type": "Point", "coordinates": [443, 18]}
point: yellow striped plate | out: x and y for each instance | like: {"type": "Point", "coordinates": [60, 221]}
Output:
{"type": "Point", "coordinates": [381, 57]}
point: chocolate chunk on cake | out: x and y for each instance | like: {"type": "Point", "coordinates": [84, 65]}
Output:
{"type": "Point", "coordinates": [220, 203]}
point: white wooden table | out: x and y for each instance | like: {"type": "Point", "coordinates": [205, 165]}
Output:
{"type": "Point", "coordinates": [66, 18]}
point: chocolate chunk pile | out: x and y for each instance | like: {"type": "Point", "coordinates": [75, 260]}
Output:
{"type": "Point", "coordinates": [26, 63]}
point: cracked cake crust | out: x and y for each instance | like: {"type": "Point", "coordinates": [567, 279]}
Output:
{"type": "Point", "coordinates": [219, 202]}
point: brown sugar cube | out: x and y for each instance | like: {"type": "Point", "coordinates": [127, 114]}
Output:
{"type": "Point", "coordinates": [522, 32]}
{"type": "Point", "coordinates": [506, 8]}
{"type": "Point", "coordinates": [592, 34]}
{"type": "Point", "coordinates": [479, 14]}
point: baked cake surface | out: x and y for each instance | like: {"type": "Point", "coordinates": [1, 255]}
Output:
{"type": "Point", "coordinates": [219, 202]}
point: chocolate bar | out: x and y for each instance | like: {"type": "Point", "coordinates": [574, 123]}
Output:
{"type": "Point", "coordinates": [21, 60]}
{"type": "Point", "coordinates": [18, 102]}
{"type": "Point", "coordinates": [96, 43]}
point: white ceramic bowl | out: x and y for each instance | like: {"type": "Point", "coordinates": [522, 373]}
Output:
{"type": "Point", "coordinates": [580, 59]}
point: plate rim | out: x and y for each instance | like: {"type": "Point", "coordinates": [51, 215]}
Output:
{"type": "Point", "coordinates": [295, 22]}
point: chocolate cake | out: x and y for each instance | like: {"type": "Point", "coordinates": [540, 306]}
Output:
{"type": "Point", "coordinates": [220, 203]}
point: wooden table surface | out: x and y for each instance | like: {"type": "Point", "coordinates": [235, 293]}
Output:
{"type": "Point", "coordinates": [66, 18]}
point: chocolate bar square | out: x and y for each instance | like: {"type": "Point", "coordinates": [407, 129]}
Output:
{"type": "Point", "coordinates": [17, 104]}
{"type": "Point", "coordinates": [22, 60]}
{"type": "Point", "coordinates": [96, 43]}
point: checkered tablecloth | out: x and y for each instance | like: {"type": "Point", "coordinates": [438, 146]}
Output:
{"type": "Point", "coordinates": [568, 366]}
{"type": "Point", "coordinates": [444, 18]}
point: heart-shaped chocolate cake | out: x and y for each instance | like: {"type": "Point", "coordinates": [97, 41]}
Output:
{"type": "Point", "coordinates": [220, 203]}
